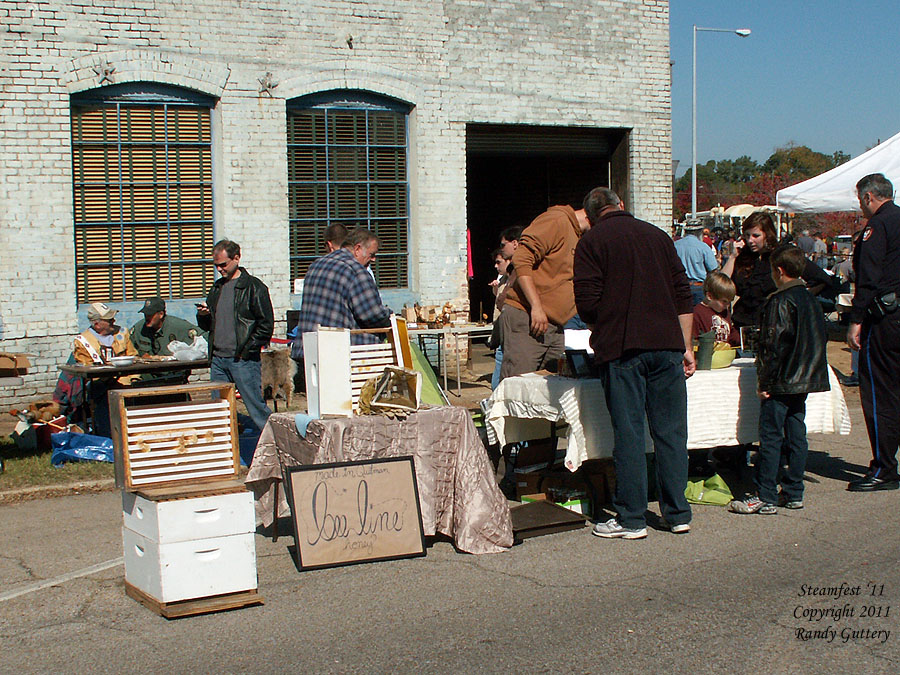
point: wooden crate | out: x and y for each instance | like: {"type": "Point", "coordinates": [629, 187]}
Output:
{"type": "Point", "coordinates": [336, 370]}
{"type": "Point", "coordinates": [163, 444]}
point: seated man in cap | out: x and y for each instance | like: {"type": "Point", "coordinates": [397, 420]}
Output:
{"type": "Point", "coordinates": [95, 346]}
{"type": "Point", "coordinates": [152, 335]}
{"type": "Point", "coordinates": [103, 340]}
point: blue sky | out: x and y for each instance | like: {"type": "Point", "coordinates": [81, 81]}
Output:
{"type": "Point", "coordinates": [821, 73]}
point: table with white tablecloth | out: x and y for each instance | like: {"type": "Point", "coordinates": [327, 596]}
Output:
{"type": "Point", "coordinates": [723, 410]}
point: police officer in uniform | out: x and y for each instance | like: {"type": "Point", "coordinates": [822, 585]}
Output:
{"type": "Point", "coordinates": [875, 330]}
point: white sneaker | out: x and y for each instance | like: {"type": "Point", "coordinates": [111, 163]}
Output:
{"type": "Point", "coordinates": [752, 504]}
{"type": "Point", "coordinates": [679, 528]}
{"type": "Point", "coordinates": [611, 529]}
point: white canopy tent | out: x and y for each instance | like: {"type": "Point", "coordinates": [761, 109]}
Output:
{"type": "Point", "coordinates": [835, 190]}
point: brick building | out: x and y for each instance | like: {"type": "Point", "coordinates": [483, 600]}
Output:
{"type": "Point", "coordinates": [138, 132]}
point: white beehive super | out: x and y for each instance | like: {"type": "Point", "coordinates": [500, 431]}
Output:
{"type": "Point", "coordinates": [196, 547]}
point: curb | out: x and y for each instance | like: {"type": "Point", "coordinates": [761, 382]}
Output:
{"type": "Point", "coordinates": [43, 491]}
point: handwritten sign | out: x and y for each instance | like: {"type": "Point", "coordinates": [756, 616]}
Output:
{"type": "Point", "coordinates": [355, 512]}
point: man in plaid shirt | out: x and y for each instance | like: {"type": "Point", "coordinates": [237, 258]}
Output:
{"type": "Point", "coordinates": [339, 292]}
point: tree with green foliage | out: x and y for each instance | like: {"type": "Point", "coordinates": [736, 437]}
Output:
{"type": "Point", "coordinates": [744, 181]}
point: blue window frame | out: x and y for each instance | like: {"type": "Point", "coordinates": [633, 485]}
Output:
{"type": "Point", "coordinates": [142, 192]}
{"type": "Point", "coordinates": [347, 163]}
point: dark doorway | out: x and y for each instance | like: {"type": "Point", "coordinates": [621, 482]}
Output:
{"type": "Point", "coordinates": [515, 172]}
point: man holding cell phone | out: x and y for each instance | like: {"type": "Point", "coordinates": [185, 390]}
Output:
{"type": "Point", "coordinates": [239, 317]}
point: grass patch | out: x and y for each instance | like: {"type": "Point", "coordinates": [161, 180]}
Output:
{"type": "Point", "coordinates": [34, 469]}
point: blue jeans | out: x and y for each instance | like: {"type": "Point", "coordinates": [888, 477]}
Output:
{"type": "Point", "coordinates": [575, 323]}
{"type": "Point", "coordinates": [247, 377]}
{"type": "Point", "coordinates": [782, 424]}
{"type": "Point", "coordinates": [697, 293]}
{"type": "Point", "coordinates": [652, 384]}
{"type": "Point", "coordinates": [498, 361]}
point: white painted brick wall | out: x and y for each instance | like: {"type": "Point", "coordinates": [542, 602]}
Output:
{"type": "Point", "coordinates": [563, 62]}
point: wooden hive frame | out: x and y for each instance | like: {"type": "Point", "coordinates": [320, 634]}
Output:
{"type": "Point", "coordinates": [368, 361]}
{"type": "Point", "coordinates": [164, 444]}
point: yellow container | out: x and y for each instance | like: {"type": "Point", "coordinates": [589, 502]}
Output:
{"type": "Point", "coordinates": [723, 355]}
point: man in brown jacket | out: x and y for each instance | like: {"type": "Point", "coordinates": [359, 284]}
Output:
{"type": "Point", "coordinates": [541, 299]}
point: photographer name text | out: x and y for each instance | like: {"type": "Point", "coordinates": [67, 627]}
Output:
{"type": "Point", "coordinates": [862, 605]}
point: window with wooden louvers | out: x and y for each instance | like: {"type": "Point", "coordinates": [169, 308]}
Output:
{"type": "Point", "coordinates": [143, 204]}
{"type": "Point", "coordinates": [347, 163]}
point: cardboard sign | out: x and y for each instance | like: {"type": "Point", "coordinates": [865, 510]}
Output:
{"type": "Point", "coordinates": [353, 512]}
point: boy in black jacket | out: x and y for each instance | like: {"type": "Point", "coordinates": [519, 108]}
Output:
{"type": "Point", "coordinates": [790, 363]}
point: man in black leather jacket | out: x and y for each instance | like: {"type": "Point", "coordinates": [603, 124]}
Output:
{"type": "Point", "coordinates": [790, 363]}
{"type": "Point", "coordinates": [240, 330]}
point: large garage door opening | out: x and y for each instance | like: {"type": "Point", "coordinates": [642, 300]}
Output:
{"type": "Point", "coordinates": [515, 172]}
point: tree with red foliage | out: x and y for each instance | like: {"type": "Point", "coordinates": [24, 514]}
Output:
{"type": "Point", "coordinates": [833, 224]}
{"type": "Point", "coordinates": [761, 190]}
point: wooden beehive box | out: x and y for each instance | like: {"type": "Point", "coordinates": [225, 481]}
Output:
{"type": "Point", "coordinates": [336, 370]}
{"type": "Point", "coordinates": [193, 548]}
{"type": "Point", "coordinates": [190, 440]}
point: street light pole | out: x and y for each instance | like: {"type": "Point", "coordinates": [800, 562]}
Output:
{"type": "Point", "coordinates": [742, 32]}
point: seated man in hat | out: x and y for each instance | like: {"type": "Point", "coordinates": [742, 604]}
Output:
{"type": "Point", "coordinates": [95, 346]}
{"type": "Point", "coordinates": [103, 340]}
{"type": "Point", "coordinates": [152, 335]}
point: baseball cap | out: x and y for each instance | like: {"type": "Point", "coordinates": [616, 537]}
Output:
{"type": "Point", "coordinates": [152, 306]}
{"type": "Point", "coordinates": [100, 310]}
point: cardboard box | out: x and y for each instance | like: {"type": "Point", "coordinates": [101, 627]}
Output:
{"type": "Point", "coordinates": [13, 365]}
{"type": "Point", "coordinates": [535, 482]}
{"type": "Point", "coordinates": [602, 476]}
{"type": "Point", "coordinates": [581, 505]}
{"type": "Point", "coordinates": [526, 483]}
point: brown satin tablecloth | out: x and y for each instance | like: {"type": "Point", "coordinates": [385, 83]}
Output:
{"type": "Point", "coordinates": [457, 491]}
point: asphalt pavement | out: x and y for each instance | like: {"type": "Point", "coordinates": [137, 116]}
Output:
{"type": "Point", "coordinates": [814, 590]}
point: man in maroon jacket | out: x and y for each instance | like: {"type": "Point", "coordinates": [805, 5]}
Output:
{"type": "Point", "coordinates": [631, 289]}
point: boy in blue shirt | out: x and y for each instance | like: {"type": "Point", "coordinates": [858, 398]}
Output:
{"type": "Point", "coordinates": [790, 364]}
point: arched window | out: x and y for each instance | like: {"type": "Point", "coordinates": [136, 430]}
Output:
{"type": "Point", "coordinates": [142, 185]}
{"type": "Point", "coordinates": [347, 163]}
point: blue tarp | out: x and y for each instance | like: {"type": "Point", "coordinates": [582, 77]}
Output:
{"type": "Point", "coordinates": [72, 447]}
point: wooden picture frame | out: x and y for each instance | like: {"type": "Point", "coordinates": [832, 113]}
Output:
{"type": "Point", "coordinates": [353, 512]}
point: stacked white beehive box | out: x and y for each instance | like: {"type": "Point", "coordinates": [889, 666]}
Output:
{"type": "Point", "coordinates": [188, 522]}
{"type": "Point", "coordinates": [183, 549]}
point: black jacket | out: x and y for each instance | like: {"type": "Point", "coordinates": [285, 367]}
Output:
{"type": "Point", "coordinates": [755, 285]}
{"type": "Point", "coordinates": [630, 287]}
{"type": "Point", "coordinates": [792, 339]}
{"type": "Point", "coordinates": [254, 319]}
